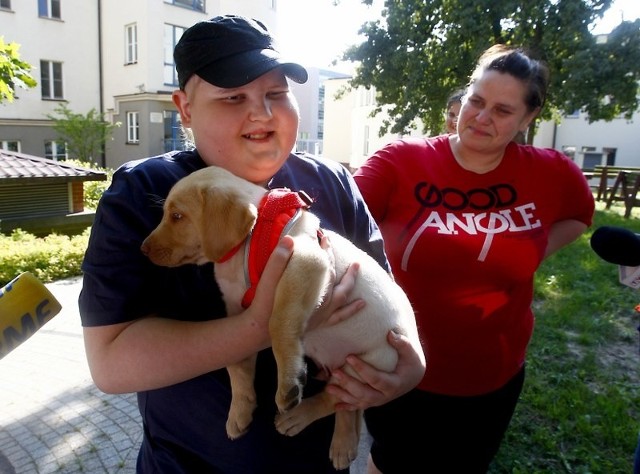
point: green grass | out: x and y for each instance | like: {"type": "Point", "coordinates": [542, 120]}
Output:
{"type": "Point", "coordinates": [579, 411]}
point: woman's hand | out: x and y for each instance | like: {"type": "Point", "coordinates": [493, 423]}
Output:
{"type": "Point", "coordinates": [378, 387]}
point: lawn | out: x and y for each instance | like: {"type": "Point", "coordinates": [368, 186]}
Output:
{"type": "Point", "coordinates": [579, 410]}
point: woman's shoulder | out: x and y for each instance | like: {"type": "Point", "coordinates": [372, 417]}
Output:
{"type": "Point", "coordinates": [420, 143]}
{"type": "Point", "coordinates": [410, 150]}
{"type": "Point", "coordinates": [547, 160]}
{"type": "Point", "coordinates": [537, 152]}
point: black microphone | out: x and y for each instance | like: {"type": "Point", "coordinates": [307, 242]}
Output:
{"type": "Point", "coordinates": [617, 245]}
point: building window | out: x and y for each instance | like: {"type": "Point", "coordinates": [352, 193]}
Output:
{"type": "Point", "coordinates": [55, 150]}
{"type": "Point", "coordinates": [365, 147]}
{"type": "Point", "coordinates": [172, 35]}
{"type": "Point", "coordinates": [5, 4]}
{"type": "Point", "coordinates": [133, 127]}
{"type": "Point", "coordinates": [49, 9]}
{"type": "Point", "coordinates": [367, 97]}
{"type": "Point", "coordinates": [131, 44]}
{"type": "Point", "coordinates": [51, 80]}
{"type": "Point", "coordinates": [10, 145]}
{"type": "Point", "coordinates": [611, 155]}
{"type": "Point", "coordinates": [197, 5]}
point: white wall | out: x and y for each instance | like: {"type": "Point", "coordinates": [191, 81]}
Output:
{"type": "Point", "coordinates": [337, 131]}
{"type": "Point", "coordinates": [577, 132]}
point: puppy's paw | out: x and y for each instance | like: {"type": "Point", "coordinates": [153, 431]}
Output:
{"type": "Point", "coordinates": [289, 395]}
{"type": "Point", "coordinates": [239, 420]}
{"type": "Point", "coordinates": [342, 455]}
{"type": "Point", "coordinates": [292, 422]}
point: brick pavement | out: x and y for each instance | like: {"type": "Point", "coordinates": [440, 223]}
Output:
{"type": "Point", "coordinates": [52, 418]}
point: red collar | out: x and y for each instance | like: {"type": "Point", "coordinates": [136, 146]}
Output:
{"type": "Point", "coordinates": [277, 212]}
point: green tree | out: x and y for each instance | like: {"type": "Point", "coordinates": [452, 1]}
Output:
{"type": "Point", "coordinates": [13, 71]}
{"type": "Point", "coordinates": [85, 135]}
{"type": "Point", "coordinates": [422, 50]}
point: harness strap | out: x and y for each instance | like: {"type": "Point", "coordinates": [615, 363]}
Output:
{"type": "Point", "coordinates": [278, 211]}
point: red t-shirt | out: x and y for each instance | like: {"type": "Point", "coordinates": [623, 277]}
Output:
{"type": "Point", "coordinates": [465, 247]}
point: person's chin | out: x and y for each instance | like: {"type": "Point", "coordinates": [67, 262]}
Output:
{"type": "Point", "coordinates": [264, 168]}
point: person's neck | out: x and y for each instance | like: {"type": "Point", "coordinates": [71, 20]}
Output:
{"type": "Point", "coordinates": [476, 162]}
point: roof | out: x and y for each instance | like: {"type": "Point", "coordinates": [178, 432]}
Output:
{"type": "Point", "coordinates": [15, 166]}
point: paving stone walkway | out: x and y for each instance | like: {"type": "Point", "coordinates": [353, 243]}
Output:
{"type": "Point", "coordinates": [52, 418]}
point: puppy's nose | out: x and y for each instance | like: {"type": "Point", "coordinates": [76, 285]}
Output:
{"type": "Point", "coordinates": [144, 248]}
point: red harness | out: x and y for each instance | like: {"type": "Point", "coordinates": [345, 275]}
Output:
{"type": "Point", "coordinates": [277, 212]}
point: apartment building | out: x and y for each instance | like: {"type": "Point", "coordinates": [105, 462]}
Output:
{"type": "Point", "coordinates": [59, 39]}
{"type": "Point", "coordinates": [114, 56]}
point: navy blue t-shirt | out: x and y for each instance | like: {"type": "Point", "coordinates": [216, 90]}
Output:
{"type": "Point", "coordinates": [184, 424]}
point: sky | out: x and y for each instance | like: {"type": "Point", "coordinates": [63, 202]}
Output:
{"type": "Point", "coordinates": [314, 32]}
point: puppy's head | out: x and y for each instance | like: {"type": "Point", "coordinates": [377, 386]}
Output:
{"type": "Point", "coordinates": [205, 215]}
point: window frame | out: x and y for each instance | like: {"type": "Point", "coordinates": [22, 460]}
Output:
{"type": "Point", "coordinates": [51, 79]}
{"type": "Point", "coordinates": [131, 43]}
{"type": "Point", "coordinates": [133, 127]}
{"type": "Point", "coordinates": [195, 5]}
{"type": "Point", "coordinates": [172, 34]}
{"type": "Point", "coordinates": [6, 145]}
{"type": "Point", "coordinates": [51, 9]}
{"type": "Point", "coordinates": [366, 140]}
{"type": "Point", "coordinates": [58, 150]}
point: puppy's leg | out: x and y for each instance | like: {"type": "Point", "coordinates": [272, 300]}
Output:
{"type": "Point", "coordinates": [346, 433]}
{"type": "Point", "coordinates": [346, 437]}
{"type": "Point", "coordinates": [243, 396]}
{"type": "Point", "coordinates": [299, 292]}
{"type": "Point", "coordinates": [310, 409]}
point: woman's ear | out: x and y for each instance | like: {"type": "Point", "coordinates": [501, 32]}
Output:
{"type": "Point", "coordinates": [528, 120]}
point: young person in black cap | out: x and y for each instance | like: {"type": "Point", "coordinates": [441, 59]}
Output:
{"type": "Point", "coordinates": [162, 332]}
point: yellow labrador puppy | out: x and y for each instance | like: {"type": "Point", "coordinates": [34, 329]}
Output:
{"type": "Point", "coordinates": [214, 216]}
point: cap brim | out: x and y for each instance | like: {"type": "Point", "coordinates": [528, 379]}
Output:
{"type": "Point", "coordinates": [241, 69]}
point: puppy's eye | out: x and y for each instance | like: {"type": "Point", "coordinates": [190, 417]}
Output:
{"type": "Point", "coordinates": [176, 216]}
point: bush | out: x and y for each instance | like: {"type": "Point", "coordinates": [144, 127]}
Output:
{"type": "Point", "coordinates": [50, 258]}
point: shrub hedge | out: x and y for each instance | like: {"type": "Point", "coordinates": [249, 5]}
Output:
{"type": "Point", "coordinates": [49, 258]}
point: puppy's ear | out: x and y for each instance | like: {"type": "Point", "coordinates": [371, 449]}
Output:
{"type": "Point", "coordinates": [227, 219]}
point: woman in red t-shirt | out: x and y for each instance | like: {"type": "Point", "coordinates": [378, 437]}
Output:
{"type": "Point", "coordinates": [467, 219]}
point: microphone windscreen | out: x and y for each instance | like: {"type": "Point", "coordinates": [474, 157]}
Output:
{"type": "Point", "coordinates": [617, 245]}
{"type": "Point", "coordinates": [25, 306]}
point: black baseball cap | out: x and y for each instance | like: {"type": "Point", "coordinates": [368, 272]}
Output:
{"type": "Point", "coordinates": [230, 51]}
